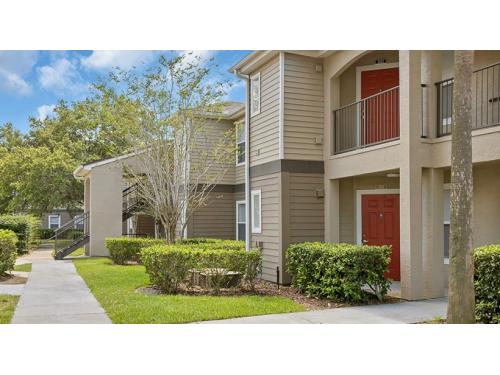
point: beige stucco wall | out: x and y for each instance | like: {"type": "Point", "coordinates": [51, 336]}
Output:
{"type": "Point", "coordinates": [105, 206]}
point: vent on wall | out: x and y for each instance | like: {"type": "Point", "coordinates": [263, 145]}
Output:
{"type": "Point", "coordinates": [320, 193]}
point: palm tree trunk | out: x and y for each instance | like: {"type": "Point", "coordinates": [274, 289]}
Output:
{"type": "Point", "coordinates": [461, 269]}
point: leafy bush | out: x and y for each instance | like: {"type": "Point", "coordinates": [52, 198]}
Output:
{"type": "Point", "coordinates": [338, 270]}
{"type": "Point", "coordinates": [169, 265]}
{"type": "Point", "coordinates": [8, 250]}
{"type": "Point", "coordinates": [126, 249]}
{"type": "Point", "coordinates": [46, 233]}
{"type": "Point", "coordinates": [26, 227]}
{"type": "Point", "coordinates": [487, 283]}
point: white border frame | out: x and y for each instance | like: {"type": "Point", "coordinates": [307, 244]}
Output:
{"type": "Point", "coordinates": [365, 68]}
{"type": "Point", "coordinates": [252, 194]}
{"type": "Point", "coordinates": [243, 202]}
{"type": "Point", "coordinates": [252, 113]}
{"type": "Point", "coordinates": [359, 194]}
{"type": "Point", "coordinates": [58, 220]}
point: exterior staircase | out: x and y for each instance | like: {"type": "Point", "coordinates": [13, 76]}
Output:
{"type": "Point", "coordinates": [71, 236]}
{"type": "Point", "coordinates": [76, 233]}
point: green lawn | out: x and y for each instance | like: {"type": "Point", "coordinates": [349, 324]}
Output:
{"type": "Point", "coordinates": [115, 288]}
{"type": "Point", "coordinates": [78, 252]}
{"type": "Point", "coordinates": [7, 307]}
{"type": "Point", "coordinates": [26, 267]}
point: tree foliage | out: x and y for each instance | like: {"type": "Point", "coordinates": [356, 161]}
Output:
{"type": "Point", "coordinates": [177, 158]}
{"type": "Point", "coordinates": [36, 168]}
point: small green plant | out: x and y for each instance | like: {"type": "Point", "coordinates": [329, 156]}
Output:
{"type": "Point", "coordinates": [8, 253]}
{"type": "Point", "coordinates": [339, 271]}
{"type": "Point", "coordinates": [487, 283]}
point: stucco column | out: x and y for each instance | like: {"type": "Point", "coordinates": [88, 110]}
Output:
{"type": "Point", "coordinates": [105, 206]}
{"type": "Point", "coordinates": [332, 210]}
{"type": "Point", "coordinates": [86, 208]}
{"type": "Point", "coordinates": [431, 73]}
{"type": "Point", "coordinates": [433, 232]}
{"type": "Point", "coordinates": [412, 278]}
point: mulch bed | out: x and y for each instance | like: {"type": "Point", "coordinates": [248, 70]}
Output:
{"type": "Point", "coordinates": [12, 280]}
{"type": "Point", "coordinates": [265, 288]}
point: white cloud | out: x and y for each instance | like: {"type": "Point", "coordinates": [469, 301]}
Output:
{"type": "Point", "coordinates": [14, 83]}
{"type": "Point", "coordinates": [14, 65]}
{"type": "Point", "coordinates": [122, 59]}
{"type": "Point", "coordinates": [45, 110]}
{"type": "Point", "coordinates": [61, 76]}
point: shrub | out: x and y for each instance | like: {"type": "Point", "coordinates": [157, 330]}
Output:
{"type": "Point", "coordinates": [169, 265]}
{"type": "Point", "coordinates": [487, 283]}
{"type": "Point", "coordinates": [339, 271]}
{"type": "Point", "coordinates": [46, 233]}
{"type": "Point", "coordinates": [26, 227]}
{"type": "Point", "coordinates": [8, 250]}
{"type": "Point", "coordinates": [126, 249]}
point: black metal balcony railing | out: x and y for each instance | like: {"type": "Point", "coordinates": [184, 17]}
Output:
{"type": "Point", "coordinates": [485, 100]}
{"type": "Point", "coordinates": [370, 121]}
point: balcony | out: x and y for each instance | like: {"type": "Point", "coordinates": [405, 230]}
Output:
{"type": "Point", "coordinates": [367, 122]}
{"type": "Point", "coordinates": [485, 100]}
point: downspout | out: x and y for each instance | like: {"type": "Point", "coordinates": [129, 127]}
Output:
{"type": "Point", "coordinates": [247, 159]}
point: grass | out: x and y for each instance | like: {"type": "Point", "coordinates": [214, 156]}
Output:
{"type": "Point", "coordinates": [115, 288]}
{"type": "Point", "coordinates": [7, 307]}
{"type": "Point", "coordinates": [25, 267]}
{"type": "Point", "coordinates": [78, 252]}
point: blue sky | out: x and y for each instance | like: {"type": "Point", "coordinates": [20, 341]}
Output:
{"type": "Point", "coordinates": [32, 82]}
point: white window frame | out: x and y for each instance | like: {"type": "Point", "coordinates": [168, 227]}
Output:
{"type": "Point", "coordinates": [253, 78]}
{"type": "Point", "coordinates": [253, 194]}
{"type": "Point", "coordinates": [58, 221]}
{"type": "Point", "coordinates": [238, 142]}
{"type": "Point", "coordinates": [238, 203]}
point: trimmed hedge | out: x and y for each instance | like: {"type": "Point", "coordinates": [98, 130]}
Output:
{"type": "Point", "coordinates": [487, 283]}
{"type": "Point", "coordinates": [8, 250]}
{"type": "Point", "coordinates": [339, 270]}
{"type": "Point", "coordinates": [26, 227]}
{"type": "Point", "coordinates": [126, 249]}
{"type": "Point", "coordinates": [169, 265]}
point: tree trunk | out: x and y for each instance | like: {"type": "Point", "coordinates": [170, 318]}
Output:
{"type": "Point", "coordinates": [461, 269]}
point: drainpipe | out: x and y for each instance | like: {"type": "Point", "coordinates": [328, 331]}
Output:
{"type": "Point", "coordinates": [247, 158]}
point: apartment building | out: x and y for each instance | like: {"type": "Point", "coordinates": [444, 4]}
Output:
{"type": "Point", "coordinates": [338, 146]}
{"type": "Point", "coordinates": [354, 146]}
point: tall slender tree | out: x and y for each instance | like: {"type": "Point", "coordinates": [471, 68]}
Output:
{"type": "Point", "coordinates": [461, 270]}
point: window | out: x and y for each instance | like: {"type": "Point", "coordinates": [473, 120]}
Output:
{"type": "Point", "coordinates": [256, 211]}
{"type": "Point", "coordinates": [240, 143]}
{"type": "Point", "coordinates": [240, 220]}
{"type": "Point", "coordinates": [255, 94]}
{"type": "Point", "coordinates": [54, 221]}
{"type": "Point", "coordinates": [446, 105]}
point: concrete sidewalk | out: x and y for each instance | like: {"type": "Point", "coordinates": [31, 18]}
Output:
{"type": "Point", "coordinates": [393, 313]}
{"type": "Point", "coordinates": [55, 293]}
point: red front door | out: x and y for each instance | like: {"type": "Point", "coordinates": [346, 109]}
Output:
{"type": "Point", "coordinates": [380, 226]}
{"type": "Point", "coordinates": [381, 112]}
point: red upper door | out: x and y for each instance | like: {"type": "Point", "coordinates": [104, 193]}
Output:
{"type": "Point", "coordinates": [380, 226]}
{"type": "Point", "coordinates": [381, 112]}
